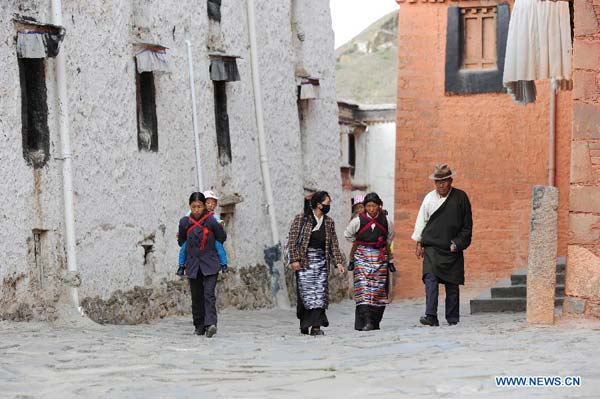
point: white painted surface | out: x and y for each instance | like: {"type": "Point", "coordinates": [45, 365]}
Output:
{"type": "Point", "coordinates": [125, 198]}
{"type": "Point", "coordinates": [375, 161]}
{"type": "Point", "coordinates": [381, 154]}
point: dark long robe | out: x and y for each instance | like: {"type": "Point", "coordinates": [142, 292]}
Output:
{"type": "Point", "coordinates": [452, 222]}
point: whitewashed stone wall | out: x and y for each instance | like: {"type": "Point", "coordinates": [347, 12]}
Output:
{"type": "Point", "coordinates": [125, 198]}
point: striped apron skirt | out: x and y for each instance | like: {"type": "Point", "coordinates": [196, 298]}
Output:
{"type": "Point", "coordinates": [313, 285]}
{"type": "Point", "coordinates": [370, 277]}
{"type": "Point", "coordinates": [371, 287]}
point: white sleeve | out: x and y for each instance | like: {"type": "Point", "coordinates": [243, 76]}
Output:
{"type": "Point", "coordinates": [391, 233]}
{"type": "Point", "coordinates": [352, 229]}
{"type": "Point", "coordinates": [420, 223]}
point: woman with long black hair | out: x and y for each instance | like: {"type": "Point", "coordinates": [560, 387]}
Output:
{"type": "Point", "coordinates": [313, 247]}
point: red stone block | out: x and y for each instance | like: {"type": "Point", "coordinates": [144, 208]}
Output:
{"type": "Point", "coordinates": [586, 21]}
{"type": "Point", "coordinates": [586, 55]}
{"type": "Point", "coordinates": [586, 121]}
{"type": "Point", "coordinates": [586, 87]}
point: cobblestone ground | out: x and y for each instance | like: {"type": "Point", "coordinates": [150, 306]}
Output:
{"type": "Point", "coordinates": [262, 354]}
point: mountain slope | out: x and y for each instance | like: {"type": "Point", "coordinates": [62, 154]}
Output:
{"type": "Point", "coordinates": [366, 65]}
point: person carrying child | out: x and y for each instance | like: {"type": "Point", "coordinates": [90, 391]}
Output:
{"type": "Point", "coordinates": [211, 204]}
{"type": "Point", "coordinates": [199, 231]}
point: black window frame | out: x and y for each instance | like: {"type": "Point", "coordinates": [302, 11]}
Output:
{"type": "Point", "coordinates": [461, 81]}
{"type": "Point", "coordinates": [214, 10]}
{"type": "Point", "coordinates": [147, 120]}
{"type": "Point", "coordinates": [222, 122]}
{"type": "Point", "coordinates": [34, 111]}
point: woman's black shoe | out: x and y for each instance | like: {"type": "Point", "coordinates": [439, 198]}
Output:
{"type": "Point", "coordinates": [304, 331]}
{"type": "Point", "coordinates": [316, 331]}
{"type": "Point", "coordinates": [200, 331]}
{"type": "Point", "coordinates": [368, 327]}
{"type": "Point", "coordinates": [429, 321]}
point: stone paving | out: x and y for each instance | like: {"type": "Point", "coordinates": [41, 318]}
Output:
{"type": "Point", "coordinates": [262, 354]}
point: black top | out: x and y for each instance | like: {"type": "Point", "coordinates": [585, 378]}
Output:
{"type": "Point", "coordinates": [317, 238]}
{"type": "Point", "coordinates": [451, 223]}
{"type": "Point", "coordinates": [372, 234]}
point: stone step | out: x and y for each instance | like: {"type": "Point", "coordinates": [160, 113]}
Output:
{"type": "Point", "coordinates": [561, 264]}
{"type": "Point", "coordinates": [520, 277]}
{"type": "Point", "coordinates": [486, 304]}
{"type": "Point", "coordinates": [518, 291]}
{"type": "Point", "coordinates": [510, 294]}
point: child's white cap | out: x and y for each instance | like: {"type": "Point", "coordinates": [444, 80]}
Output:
{"type": "Point", "coordinates": [210, 194]}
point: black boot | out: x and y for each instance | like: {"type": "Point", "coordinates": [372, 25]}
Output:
{"type": "Point", "coordinates": [316, 331]}
{"type": "Point", "coordinates": [368, 327]}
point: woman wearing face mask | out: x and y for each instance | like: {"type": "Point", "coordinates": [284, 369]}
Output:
{"type": "Point", "coordinates": [371, 234]}
{"type": "Point", "coordinates": [313, 246]}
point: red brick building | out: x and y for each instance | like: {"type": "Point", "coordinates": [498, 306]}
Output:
{"type": "Point", "coordinates": [583, 260]}
{"type": "Point", "coordinates": [451, 108]}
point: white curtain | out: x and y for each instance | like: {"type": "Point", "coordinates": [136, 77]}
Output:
{"type": "Point", "coordinates": [538, 47]}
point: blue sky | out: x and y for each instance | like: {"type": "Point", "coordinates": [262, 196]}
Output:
{"type": "Point", "coordinates": [350, 17]}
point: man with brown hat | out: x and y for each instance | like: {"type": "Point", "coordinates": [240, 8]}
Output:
{"type": "Point", "coordinates": [442, 232]}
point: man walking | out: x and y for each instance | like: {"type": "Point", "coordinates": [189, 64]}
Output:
{"type": "Point", "coordinates": [442, 232]}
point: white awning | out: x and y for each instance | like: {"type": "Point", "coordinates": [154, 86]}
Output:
{"type": "Point", "coordinates": [152, 59]}
{"type": "Point", "coordinates": [31, 45]}
{"type": "Point", "coordinates": [539, 47]}
{"type": "Point", "coordinates": [224, 69]}
{"type": "Point", "coordinates": [36, 40]}
{"type": "Point", "coordinates": [309, 89]}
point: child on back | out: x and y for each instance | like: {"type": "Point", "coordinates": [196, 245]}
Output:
{"type": "Point", "coordinates": [211, 204]}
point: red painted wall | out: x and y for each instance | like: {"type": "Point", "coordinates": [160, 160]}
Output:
{"type": "Point", "coordinates": [498, 148]}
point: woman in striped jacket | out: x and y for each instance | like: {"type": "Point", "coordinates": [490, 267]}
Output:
{"type": "Point", "coordinates": [313, 247]}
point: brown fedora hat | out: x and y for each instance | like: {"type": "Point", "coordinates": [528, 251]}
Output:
{"type": "Point", "coordinates": [442, 171]}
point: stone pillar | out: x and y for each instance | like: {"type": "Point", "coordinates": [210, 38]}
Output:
{"type": "Point", "coordinates": [543, 241]}
{"type": "Point", "coordinates": [583, 257]}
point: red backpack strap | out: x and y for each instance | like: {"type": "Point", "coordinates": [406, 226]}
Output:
{"type": "Point", "coordinates": [370, 221]}
{"type": "Point", "coordinates": [205, 230]}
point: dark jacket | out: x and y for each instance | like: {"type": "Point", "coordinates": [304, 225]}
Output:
{"type": "Point", "coordinates": [299, 253]}
{"type": "Point", "coordinates": [452, 222]}
{"type": "Point", "coordinates": [198, 260]}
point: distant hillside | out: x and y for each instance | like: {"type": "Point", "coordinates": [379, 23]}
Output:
{"type": "Point", "coordinates": [366, 65]}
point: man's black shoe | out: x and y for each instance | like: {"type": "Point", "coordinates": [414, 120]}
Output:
{"type": "Point", "coordinates": [452, 323]}
{"type": "Point", "coordinates": [200, 331]}
{"type": "Point", "coordinates": [429, 321]}
{"type": "Point", "coordinates": [211, 331]}
{"type": "Point", "coordinates": [304, 331]}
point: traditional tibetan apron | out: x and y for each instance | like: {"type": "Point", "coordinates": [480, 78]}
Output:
{"type": "Point", "coordinates": [371, 283]}
{"type": "Point", "coordinates": [312, 281]}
